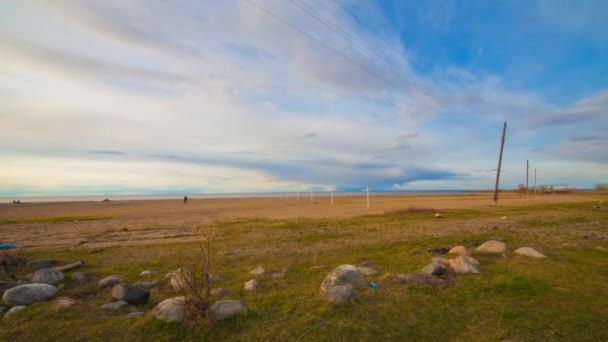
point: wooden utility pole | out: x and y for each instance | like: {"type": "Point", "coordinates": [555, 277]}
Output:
{"type": "Point", "coordinates": [527, 170]}
{"type": "Point", "coordinates": [502, 145]}
{"type": "Point", "coordinates": [535, 182]}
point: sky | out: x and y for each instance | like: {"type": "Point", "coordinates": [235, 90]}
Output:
{"type": "Point", "coordinates": [205, 96]}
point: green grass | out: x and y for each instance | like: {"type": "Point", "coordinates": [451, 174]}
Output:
{"type": "Point", "coordinates": [55, 219]}
{"type": "Point", "coordinates": [561, 298]}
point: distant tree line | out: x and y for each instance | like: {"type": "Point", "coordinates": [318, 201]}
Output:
{"type": "Point", "coordinates": [521, 188]}
{"type": "Point", "coordinates": [601, 187]}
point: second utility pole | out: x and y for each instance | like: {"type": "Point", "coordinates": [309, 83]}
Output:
{"type": "Point", "coordinates": [502, 145]}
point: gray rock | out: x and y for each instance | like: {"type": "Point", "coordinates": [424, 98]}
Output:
{"type": "Point", "coordinates": [251, 285]}
{"type": "Point", "coordinates": [424, 279]}
{"type": "Point", "coordinates": [148, 284]}
{"type": "Point", "coordinates": [14, 310]}
{"type": "Point", "coordinates": [28, 294]}
{"type": "Point", "coordinates": [5, 285]}
{"type": "Point", "coordinates": [85, 277]}
{"type": "Point", "coordinates": [136, 314]}
{"type": "Point", "coordinates": [493, 246]}
{"type": "Point", "coordinates": [47, 276]}
{"type": "Point", "coordinates": [276, 275]}
{"type": "Point", "coordinates": [224, 309]}
{"type": "Point", "coordinates": [109, 281]}
{"type": "Point", "coordinates": [366, 271]}
{"type": "Point", "coordinates": [435, 269]}
{"type": "Point", "coordinates": [461, 250]}
{"type": "Point", "coordinates": [181, 279]}
{"type": "Point", "coordinates": [40, 263]}
{"type": "Point", "coordinates": [115, 305]}
{"type": "Point", "coordinates": [145, 273]}
{"type": "Point", "coordinates": [339, 294]}
{"type": "Point", "coordinates": [343, 275]}
{"type": "Point", "coordinates": [130, 294]}
{"type": "Point", "coordinates": [530, 252]}
{"type": "Point", "coordinates": [462, 265]}
{"type": "Point", "coordinates": [171, 310]}
{"type": "Point", "coordinates": [258, 271]}
{"type": "Point", "coordinates": [217, 292]}
{"type": "Point", "coordinates": [63, 302]}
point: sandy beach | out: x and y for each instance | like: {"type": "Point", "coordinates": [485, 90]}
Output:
{"type": "Point", "coordinates": [171, 221]}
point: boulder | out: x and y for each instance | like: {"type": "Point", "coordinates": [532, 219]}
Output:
{"type": "Point", "coordinates": [63, 302]}
{"type": "Point", "coordinates": [493, 246]}
{"type": "Point", "coordinates": [258, 271]}
{"type": "Point", "coordinates": [181, 279]}
{"type": "Point", "coordinates": [339, 294]}
{"type": "Point", "coordinates": [148, 284]}
{"type": "Point", "coordinates": [28, 294]}
{"type": "Point", "coordinates": [424, 279]}
{"type": "Point", "coordinates": [462, 265]}
{"type": "Point", "coordinates": [47, 276]}
{"type": "Point", "coordinates": [85, 277]}
{"type": "Point", "coordinates": [109, 281]}
{"type": "Point", "coordinates": [461, 250]}
{"type": "Point", "coordinates": [115, 305]}
{"type": "Point", "coordinates": [130, 294]}
{"type": "Point", "coordinates": [224, 309]}
{"type": "Point", "coordinates": [435, 268]}
{"type": "Point", "coordinates": [343, 275]}
{"type": "Point", "coordinates": [14, 310]}
{"type": "Point", "coordinates": [530, 252]}
{"type": "Point", "coordinates": [171, 310]}
{"type": "Point", "coordinates": [366, 271]}
{"type": "Point", "coordinates": [5, 285]}
{"type": "Point", "coordinates": [251, 285]}
{"type": "Point", "coordinates": [40, 263]}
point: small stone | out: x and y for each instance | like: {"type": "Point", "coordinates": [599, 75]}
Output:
{"type": "Point", "coordinates": [493, 246]}
{"type": "Point", "coordinates": [171, 310]}
{"type": "Point", "coordinates": [366, 271]}
{"type": "Point", "coordinates": [462, 265]}
{"type": "Point", "coordinates": [603, 249]}
{"type": "Point", "coordinates": [528, 251]}
{"type": "Point", "coordinates": [28, 294]}
{"type": "Point", "coordinates": [115, 305]}
{"type": "Point", "coordinates": [145, 273]}
{"type": "Point", "coordinates": [339, 294]}
{"type": "Point", "coordinates": [215, 278]}
{"type": "Point", "coordinates": [47, 276]}
{"type": "Point", "coordinates": [276, 275]}
{"type": "Point", "coordinates": [438, 215]}
{"type": "Point", "coordinates": [424, 279]}
{"type": "Point", "coordinates": [461, 250]}
{"type": "Point", "coordinates": [435, 269]}
{"type": "Point", "coordinates": [258, 271]}
{"type": "Point", "coordinates": [40, 263]}
{"type": "Point", "coordinates": [181, 279]}
{"type": "Point", "coordinates": [130, 294]}
{"type": "Point", "coordinates": [109, 281]}
{"type": "Point", "coordinates": [148, 284]}
{"type": "Point", "coordinates": [85, 277]}
{"type": "Point", "coordinates": [343, 275]}
{"type": "Point", "coordinates": [63, 302]}
{"type": "Point", "coordinates": [504, 218]}
{"type": "Point", "coordinates": [136, 314]}
{"type": "Point", "coordinates": [251, 285]}
{"type": "Point", "coordinates": [217, 292]}
{"type": "Point", "coordinates": [14, 310]}
{"type": "Point", "coordinates": [224, 309]}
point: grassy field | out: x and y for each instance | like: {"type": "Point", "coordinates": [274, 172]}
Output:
{"type": "Point", "coordinates": [563, 297]}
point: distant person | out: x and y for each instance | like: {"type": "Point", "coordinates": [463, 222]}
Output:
{"type": "Point", "coordinates": [185, 199]}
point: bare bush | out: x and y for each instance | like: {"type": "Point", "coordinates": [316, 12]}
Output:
{"type": "Point", "coordinates": [195, 277]}
{"type": "Point", "coordinates": [601, 187]}
{"type": "Point", "coordinates": [412, 210]}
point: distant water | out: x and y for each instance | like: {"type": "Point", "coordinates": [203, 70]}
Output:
{"type": "Point", "coordinates": [303, 194]}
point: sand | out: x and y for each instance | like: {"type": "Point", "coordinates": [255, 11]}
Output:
{"type": "Point", "coordinates": [170, 221]}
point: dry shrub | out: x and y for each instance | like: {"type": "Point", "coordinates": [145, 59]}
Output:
{"type": "Point", "coordinates": [195, 277]}
{"type": "Point", "coordinates": [10, 260]}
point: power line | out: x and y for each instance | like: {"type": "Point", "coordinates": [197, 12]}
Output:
{"type": "Point", "coordinates": [327, 46]}
{"type": "Point", "coordinates": [330, 24]}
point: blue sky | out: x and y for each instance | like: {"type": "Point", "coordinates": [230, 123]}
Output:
{"type": "Point", "coordinates": [123, 97]}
